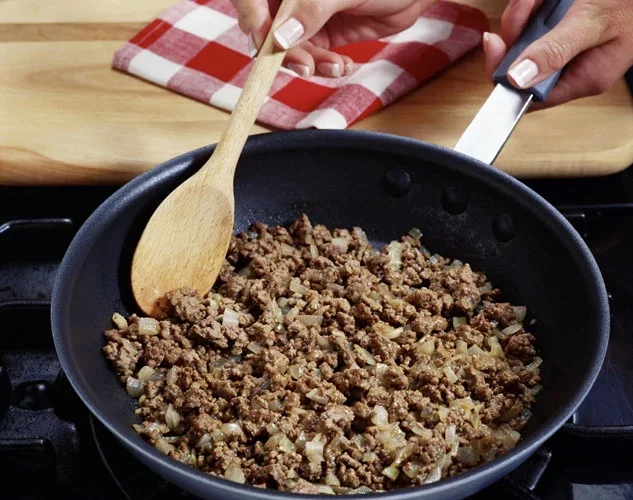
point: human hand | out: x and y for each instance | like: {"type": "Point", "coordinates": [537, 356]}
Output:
{"type": "Point", "coordinates": [310, 28]}
{"type": "Point", "coordinates": [593, 42]}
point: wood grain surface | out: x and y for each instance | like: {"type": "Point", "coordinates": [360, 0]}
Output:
{"type": "Point", "coordinates": [67, 118]}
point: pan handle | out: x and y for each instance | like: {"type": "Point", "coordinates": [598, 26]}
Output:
{"type": "Point", "coordinates": [548, 15]}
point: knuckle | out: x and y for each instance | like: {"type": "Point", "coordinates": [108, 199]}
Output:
{"type": "Point", "coordinates": [313, 9]}
{"type": "Point", "coordinates": [555, 53]}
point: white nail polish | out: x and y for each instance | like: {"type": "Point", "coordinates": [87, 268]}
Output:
{"type": "Point", "coordinates": [300, 69]}
{"type": "Point", "coordinates": [252, 48]}
{"type": "Point", "coordinates": [330, 69]}
{"type": "Point", "coordinates": [523, 73]}
{"type": "Point", "coordinates": [349, 68]}
{"type": "Point", "coordinates": [289, 33]}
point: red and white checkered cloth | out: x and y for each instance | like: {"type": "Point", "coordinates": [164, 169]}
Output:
{"type": "Point", "coordinates": [196, 48]}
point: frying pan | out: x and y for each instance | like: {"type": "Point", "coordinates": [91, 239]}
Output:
{"type": "Point", "coordinates": [386, 185]}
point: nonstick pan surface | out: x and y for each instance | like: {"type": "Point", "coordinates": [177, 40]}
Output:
{"type": "Point", "coordinates": [386, 185]}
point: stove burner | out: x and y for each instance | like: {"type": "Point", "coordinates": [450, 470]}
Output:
{"type": "Point", "coordinates": [45, 429]}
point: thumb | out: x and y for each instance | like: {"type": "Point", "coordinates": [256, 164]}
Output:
{"type": "Point", "coordinates": [302, 19]}
{"type": "Point", "coordinates": [575, 33]}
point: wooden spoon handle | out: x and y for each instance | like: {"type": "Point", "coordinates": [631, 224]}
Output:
{"type": "Point", "coordinates": [242, 119]}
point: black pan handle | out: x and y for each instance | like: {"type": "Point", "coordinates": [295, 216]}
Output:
{"type": "Point", "coordinates": [548, 15]}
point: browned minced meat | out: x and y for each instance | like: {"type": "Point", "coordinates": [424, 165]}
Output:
{"type": "Point", "coordinates": [319, 365]}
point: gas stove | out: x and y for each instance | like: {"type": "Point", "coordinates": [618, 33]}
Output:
{"type": "Point", "coordinates": [51, 447]}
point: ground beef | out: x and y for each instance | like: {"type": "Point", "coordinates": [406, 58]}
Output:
{"type": "Point", "coordinates": [317, 364]}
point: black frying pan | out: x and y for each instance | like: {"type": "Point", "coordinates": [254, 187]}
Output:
{"type": "Point", "coordinates": [386, 185]}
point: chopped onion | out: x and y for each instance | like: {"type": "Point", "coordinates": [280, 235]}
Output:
{"type": "Point", "coordinates": [456, 263]}
{"type": "Point", "coordinates": [310, 319]}
{"type": "Point", "coordinates": [296, 371]}
{"type": "Point", "coordinates": [254, 347]}
{"type": "Point", "coordinates": [420, 430]}
{"type": "Point", "coordinates": [172, 376]}
{"type": "Point", "coordinates": [507, 436]}
{"type": "Point", "coordinates": [388, 331]}
{"type": "Point", "coordinates": [415, 233]}
{"type": "Point", "coordinates": [119, 321]}
{"type": "Point", "coordinates": [365, 354]}
{"type": "Point", "coordinates": [286, 445]}
{"type": "Point", "coordinates": [467, 455]}
{"type": "Point", "coordinates": [134, 387]}
{"type": "Point", "coordinates": [332, 480]}
{"type": "Point", "coordinates": [230, 318]}
{"type": "Point", "coordinates": [412, 469]}
{"type": "Point", "coordinates": [450, 436]}
{"type": "Point", "coordinates": [487, 288]}
{"type": "Point", "coordinates": [425, 347]}
{"type": "Point", "coordinates": [380, 417]}
{"type": "Point", "coordinates": [231, 429]}
{"type": "Point", "coordinates": [362, 490]}
{"type": "Point", "coordinates": [369, 457]}
{"type": "Point", "coordinates": [145, 373]}
{"type": "Point", "coordinates": [391, 472]}
{"type": "Point", "coordinates": [450, 374]}
{"type": "Point", "coordinates": [292, 313]}
{"type": "Point", "coordinates": [172, 417]}
{"type": "Point", "coordinates": [272, 428]}
{"type": "Point", "coordinates": [459, 321]}
{"type": "Point", "coordinates": [520, 312]}
{"type": "Point", "coordinates": [314, 251]}
{"type": "Point", "coordinates": [535, 390]}
{"type": "Point", "coordinates": [534, 365]}
{"type": "Point", "coordinates": [322, 341]}
{"type": "Point", "coordinates": [217, 435]}
{"type": "Point", "coordinates": [381, 370]}
{"type": "Point", "coordinates": [511, 412]}
{"type": "Point", "coordinates": [287, 250]}
{"type": "Point", "coordinates": [374, 296]}
{"type": "Point", "coordinates": [204, 440]}
{"type": "Point", "coordinates": [475, 350]}
{"type": "Point", "coordinates": [316, 396]}
{"type": "Point", "coordinates": [392, 437]}
{"type": "Point", "coordinates": [296, 287]}
{"type": "Point", "coordinates": [434, 475]}
{"type": "Point", "coordinates": [394, 250]}
{"type": "Point", "coordinates": [235, 473]}
{"type": "Point", "coordinates": [324, 489]}
{"type": "Point", "coordinates": [510, 330]}
{"type": "Point", "coordinates": [314, 449]}
{"type": "Point", "coordinates": [496, 351]}
{"type": "Point", "coordinates": [163, 446]}
{"type": "Point", "coordinates": [341, 244]}
{"type": "Point", "coordinates": [461, 347]}
{"type": "Point", "coordinates": [127, 345]}
{"type": "Point", "coordinates": [148, 326]}
{"type": "Point", "coordinates": [336, 287]}
{"type": "Point", "coordinates": [275, 404]}
{"type": "Point", "coordinates": [443, 413]}
{"type": "Point", "coordinates": [361, 234]}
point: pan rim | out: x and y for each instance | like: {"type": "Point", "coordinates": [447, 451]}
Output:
{"type": "Point", "coordinates": [346, 139]}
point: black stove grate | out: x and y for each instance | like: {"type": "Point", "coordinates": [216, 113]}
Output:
{"type": "Point", "coordinates": [51, 447]}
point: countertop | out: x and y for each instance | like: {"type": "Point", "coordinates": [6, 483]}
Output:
{"type": "Point", "coordinates": [67, 118]}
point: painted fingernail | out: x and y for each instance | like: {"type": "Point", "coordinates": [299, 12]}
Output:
{"type": "Point", "coordinates": [289, 33]}
{"type": "Point", "coordinates": [330, 69]}
{"type": "Point", "coordinates": [252, 48]}
{"type": "Point", "coordinates": [523, 73]}
{"type": "Point", "coordinates": [301, 69]}
{"type": "Point", "coordinates": [486, 37]}
{"type": "Point", "coordinates": [349, 68]}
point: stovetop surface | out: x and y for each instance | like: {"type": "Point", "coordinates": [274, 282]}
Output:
{"type": "Point", "coordinates": [50, 447]}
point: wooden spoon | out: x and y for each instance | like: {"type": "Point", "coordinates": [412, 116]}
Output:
{"type": "Point", "coordinates": [186, 240]}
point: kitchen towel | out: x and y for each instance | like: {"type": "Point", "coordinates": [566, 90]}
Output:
{"type": "Point", "coordinates": [196, 48]}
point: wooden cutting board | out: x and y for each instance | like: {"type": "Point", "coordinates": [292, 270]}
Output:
{"type": "Point", "coordinates": [67, 118]}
